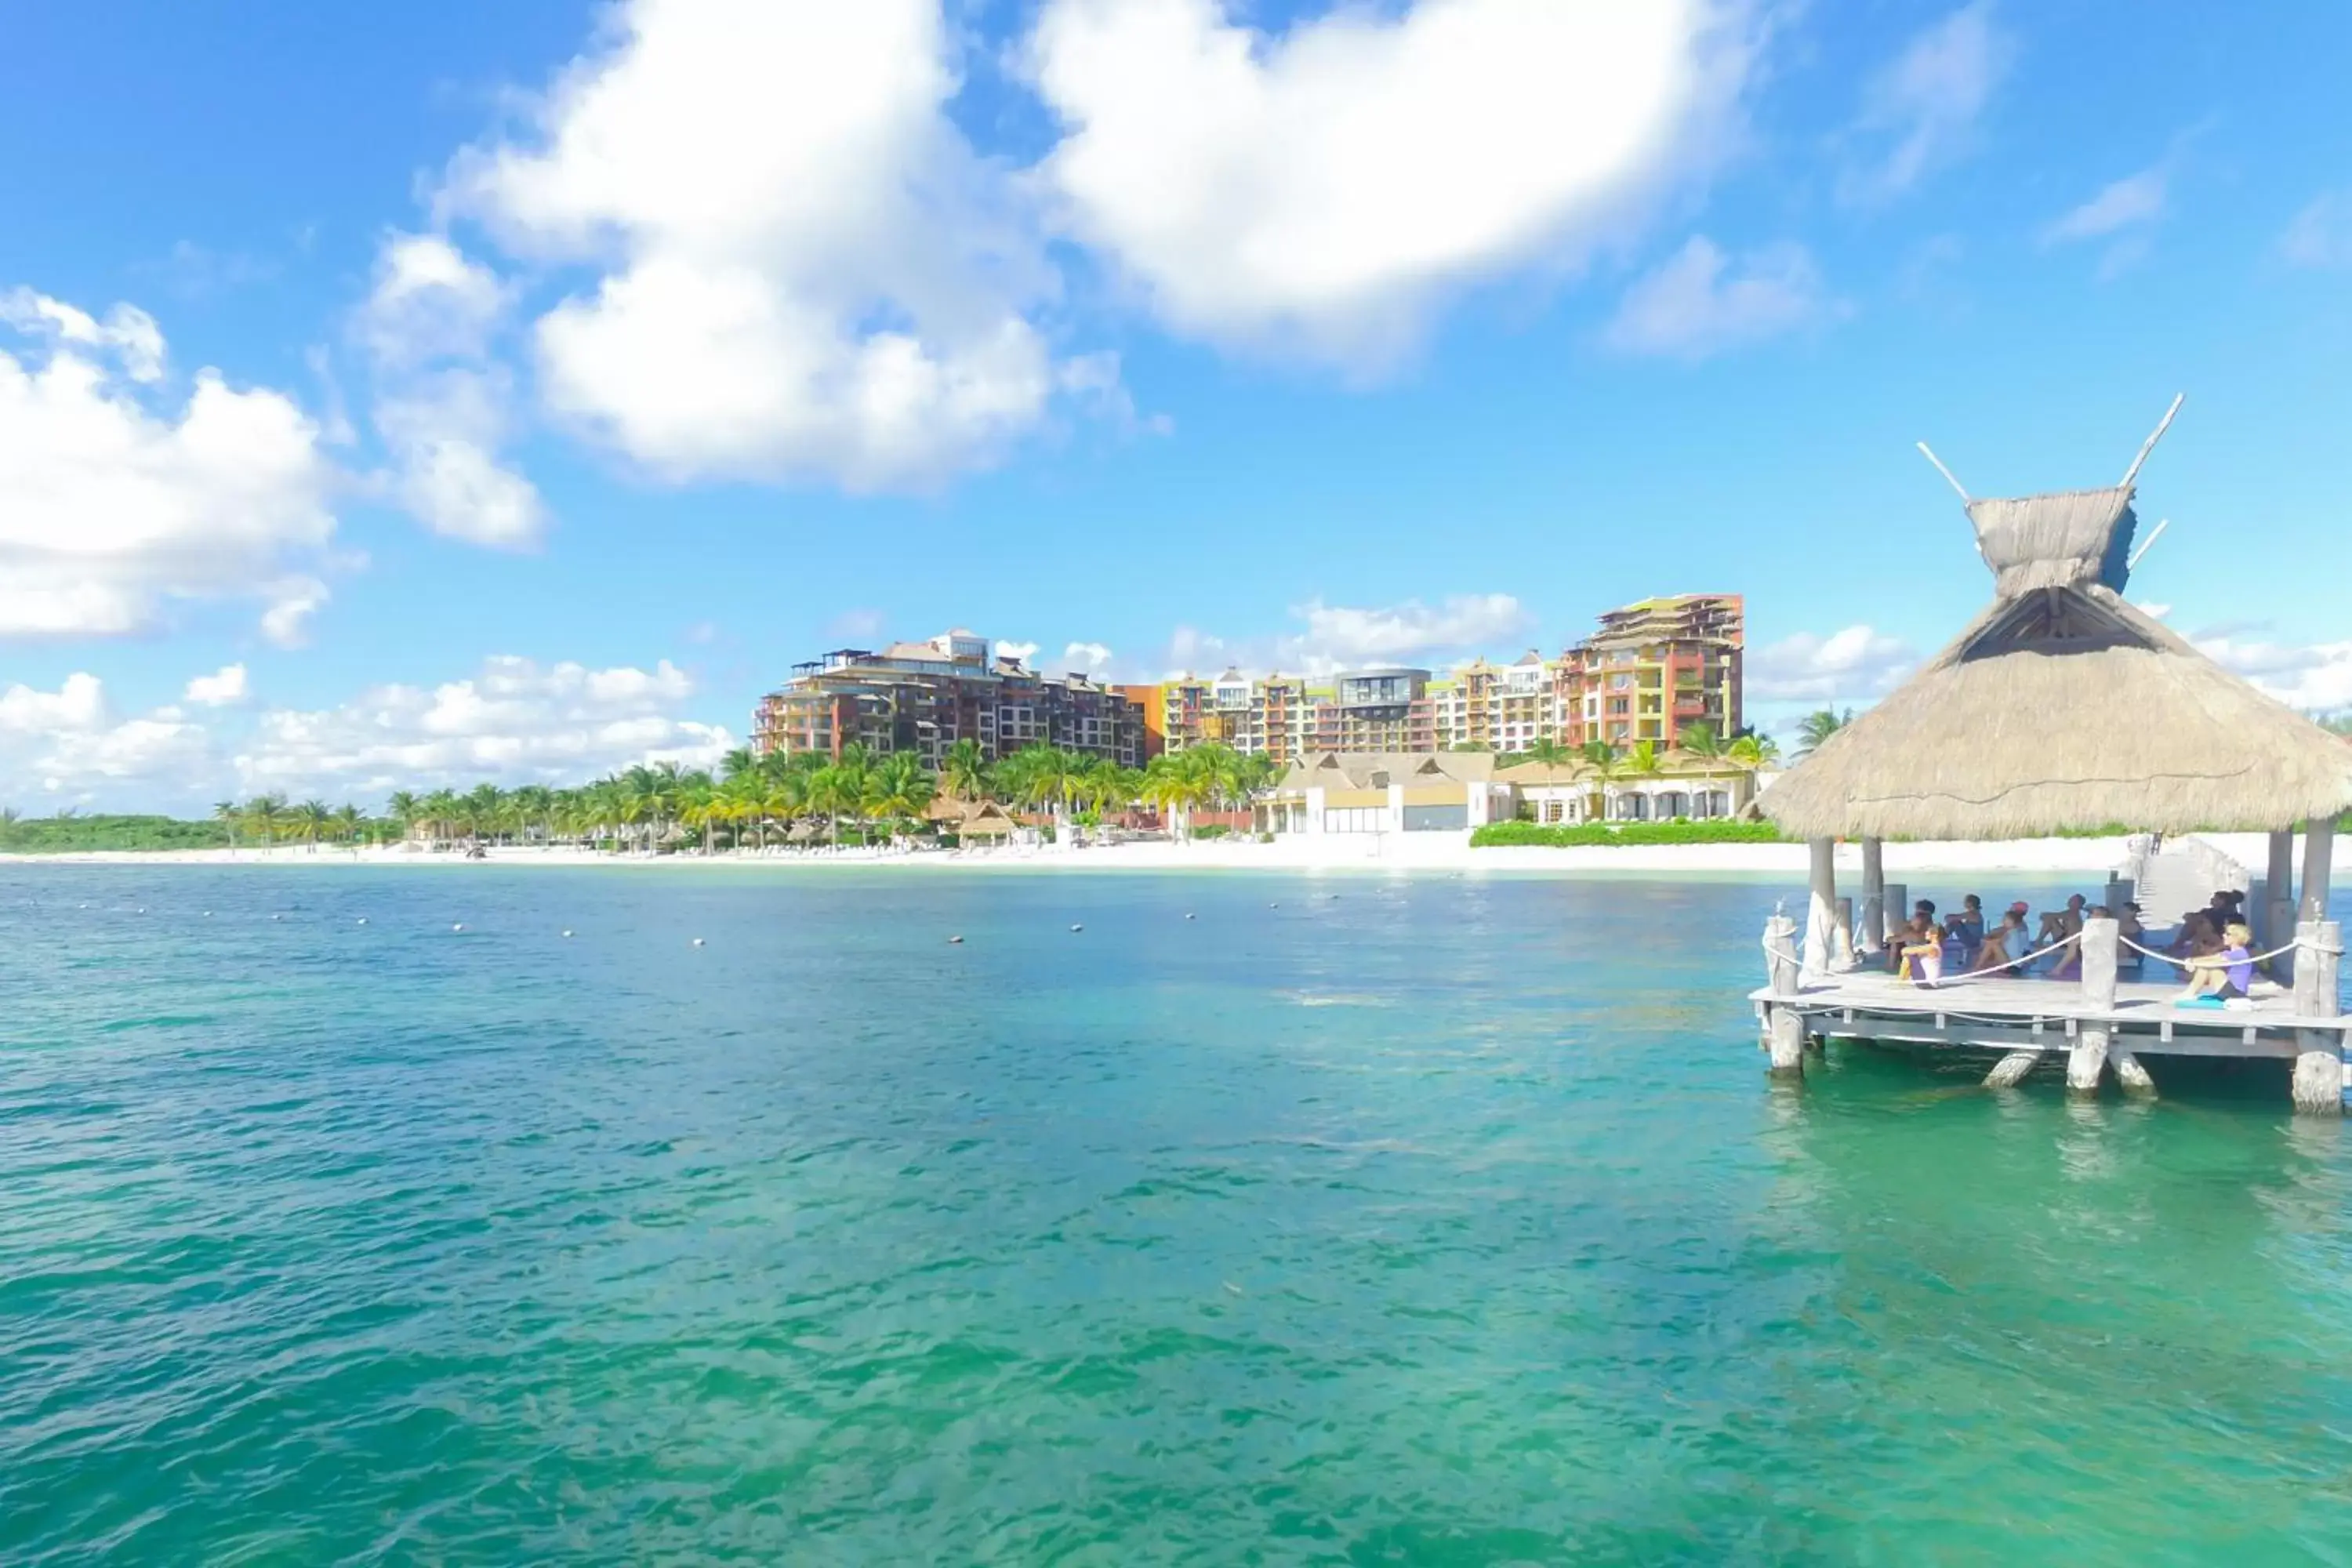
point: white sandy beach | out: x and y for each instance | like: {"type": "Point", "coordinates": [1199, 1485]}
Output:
{"type": "Point", "coordinates": [1445, 853]}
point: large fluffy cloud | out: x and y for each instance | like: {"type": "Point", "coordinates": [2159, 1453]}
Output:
{"type": "Point", "coordinates": [117, 499]}
{"type": "Point", "coordinates": [1324, 190]}
{"type": "Point", "coordinates": [1858, 664]}
{"type": "Point", "coordinates": [1333, 637]}
{"type": "Point", "coordinates": [442, 403]}
{"type": "Point", "coordinates": [803, 269]}
{"type": "Point", "coordinates": [514, 720]}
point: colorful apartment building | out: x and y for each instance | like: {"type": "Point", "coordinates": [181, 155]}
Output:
{"type": "Point", "coordinates": [1483, 707]}
{"type": "Point", "coordinates": [924, 696]}
{"type": "Point", "coordinates": [1653, 669]}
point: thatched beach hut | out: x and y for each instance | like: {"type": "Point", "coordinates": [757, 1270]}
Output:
{"type": "Point", "coordinates": [2064, 706]}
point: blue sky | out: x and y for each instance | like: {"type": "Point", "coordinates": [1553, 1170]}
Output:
{"type": "Point", "coordinates": [581, 368]}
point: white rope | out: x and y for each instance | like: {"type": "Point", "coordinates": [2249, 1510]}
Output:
{"type": "Point", "coordinates": [2184, 958]}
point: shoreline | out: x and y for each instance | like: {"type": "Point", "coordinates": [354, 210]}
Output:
{"type": "Point", "coordinates": [1447, 853]}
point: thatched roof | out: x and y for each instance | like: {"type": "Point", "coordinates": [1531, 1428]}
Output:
{"type": "Point", "coordinates": [2062, 706]}
{"type": "Point", "coordinates": [1378, 769]}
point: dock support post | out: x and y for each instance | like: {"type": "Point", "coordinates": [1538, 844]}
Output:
{"type": "Point", "coordinates": [2319, 1053]}
{"type": "Point", "coordinates": [1841, 936]}
{"type": "Point", "coordinates": [2318, 855]}
{"type": "Point", "coordinates": [1899, 909]}
{"type": "Point", "coordinates": [1872, 932]}
{"type": "Point", "coordinates": [1820, 913]}
{"type": "Point", "coordinates": [2119, 893]}
{"type": "Point", "coordinates": [2278, 909]}
{"type": "Point", "coordinates": [1784, 1026]}
{"type": "Point", "coordinates": [2093, 1035]}
{"type": "Point", "coordinates": [2011, 1071]}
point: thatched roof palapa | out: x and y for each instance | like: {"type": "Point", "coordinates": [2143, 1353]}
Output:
{"type": "Point", "coordinates": [2062, 706]}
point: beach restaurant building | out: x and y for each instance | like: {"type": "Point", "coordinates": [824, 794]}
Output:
{"type": "Point", "coordinates": [1416, 792]}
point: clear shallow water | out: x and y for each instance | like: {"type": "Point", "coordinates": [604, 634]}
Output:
{"type": "Point", "coordinates": [1387, 1229]}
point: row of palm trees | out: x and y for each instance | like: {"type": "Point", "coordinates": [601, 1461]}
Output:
{"type": "Point", "coordinates": [804, 796]}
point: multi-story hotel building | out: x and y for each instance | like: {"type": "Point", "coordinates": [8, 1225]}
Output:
{"type": "Point", "coordinates": [1653, 669]}
{"type": "Point", "coordinates": [1497, 707]}
{"type": "Point", "coordinates": [924, 696]}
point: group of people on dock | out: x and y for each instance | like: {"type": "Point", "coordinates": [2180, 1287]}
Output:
{"type": "Point", "coordinates": [2210, 948]}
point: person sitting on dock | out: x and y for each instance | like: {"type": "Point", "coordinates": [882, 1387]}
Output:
{"type": "Point", "coordinates": [2006, 945]}
{"type": "Point", "coordinates": [1973, 927]}
{"type": "Point", "coordinates": [2226, 975]}
{"type": "Point", "coordinates": [2128, 927]}
{"type": "Point", "coordinates": [2070, 961]}
{"type": "Point", "coordinates": [1921, 952]}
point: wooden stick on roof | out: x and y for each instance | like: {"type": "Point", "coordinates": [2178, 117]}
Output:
{"type": "Point", "coordinates": [2154, 436]}
{"type": "Point", "coordinates": [1959, 488]}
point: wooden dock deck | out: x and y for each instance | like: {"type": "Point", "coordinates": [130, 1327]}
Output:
{"type": "Point", "coordinates": [2040, 1015]}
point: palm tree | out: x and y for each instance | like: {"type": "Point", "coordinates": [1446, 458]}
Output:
{"type": "Point", "coordinates": [311, 818]}
{"type": "Point", "coordinates": [900, 788]}
{"type": "Point", "coordinates": [9, 818]}
{"type": "Point", "coordinates": [229, 812]}
{"type": "Point", "coordinates": [1645, 760]}
{"type": "Point", "coordinates": [403, 808]}
{"type": "Point", "coordinates": [349, 822]}
{"type": "Point", "coordinates": [963, 770]}
{"type": "Point", "coordinates": [736, 764]}
{"type": "Point", "coordinates": [1703, 746]}
{"type": "Point", "coordinates": [1818, 726]}
{"type": "Point", "coordinates": [1601, 758]}
{"type": "Point", "coordinates": [265, 814]}
{"type": "Point", "coordinates": [1546, 750]}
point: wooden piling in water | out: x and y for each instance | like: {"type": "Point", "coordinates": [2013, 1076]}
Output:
{"type": "Point", "coordinates": [1784, 1026]}
{"type": "Point", "coordinates": [2278, 907]}
{"type": "Point", "coordinates": [2320, 1054]}
{"type": "Point", "coordinates": [1820, 905]}
{"type": "Point", "coordinates": [2088, 1058]}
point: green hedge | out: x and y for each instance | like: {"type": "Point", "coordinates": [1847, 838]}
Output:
{"type": "Point", "coordinates": [63, 835]}
{"type": "Point", "coordinates": [1564, 835]}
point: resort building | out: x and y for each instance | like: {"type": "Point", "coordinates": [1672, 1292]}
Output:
{"type": "Point", "coordinates": [924, 696]}
{"type": "Point", "coordinates": [1438, 791]}
{"type": "Point", "coordinates": [1384, 710]}
{"type": "Point", "coordinates": [1278, 716]}
{"type": "Point", "coordinates": [1653, 669]}
{"type": "Point", "coordinates": [1497, 707]}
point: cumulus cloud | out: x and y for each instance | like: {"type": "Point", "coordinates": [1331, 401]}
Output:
{"type": "Point", "coordinates": [1086, 657]}
{"type": "Point", "coordinates": [117, 499]}
{"type": "Point", "coordinates": [2131, 202]}
{"type": "Point", "coordinates": [68, 745]}
{"type": "Point", "coordinates": [1703, 302]}
{"type": "Point", "coordinates": [2321, 234]}
{"type": "Point", "coordinates": [1334, 637]}
{"type": "Point", "coordinates": [1325, 191]}
{"type": "Point", "coordinates": [1921, 112]}
{"type": "Point", "coordinates": [1858, 664]}
{"type": "Point", "coordinates": [804, 270]}
{"type": "Point", "coordinates": [1021, 651]}
{"type": "Point", "coordinates": [2314, 677]}
{"type": "Point", "coordinates": [514, 721]}
{"type": "Point", "coordinates": [443, 402]}
{"type": "Point", "coordinates": [224, 687]}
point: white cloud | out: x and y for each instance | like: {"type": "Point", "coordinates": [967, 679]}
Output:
{"type": "Point", "coordinates": [1086, 657]}
{"type": "Point", "coordinates": [805, 272]}
{"type": "Point", "coordinates": [1021, 651]}
{"type": "Point", "coordinates": [1325, 191]}
{"type": "Point", "coordinates": [2321, 234]}
{"type": "Point", "coordinates": [515, 721]}
{"type": "Point", "coordinates": [1857, 664]}
{"type": "Point", "coordinates": [1921, 112]}
{"type": "Point", "coordinates": [1702, 303]}
{"type": "Point", "coordinates": [1340, 637]}
{"type": "Point", "coordinates": [2132, 202]}
{"type": "Point", "coordinates": [2314, 677]}
{"type": "Point", "coordinates": [442, 405]}
{"type": "Point", "coordinates": [128, 332]}
{"type": "Point", "coordinates": [220, 689]}
{"type": "Point", "coordinates": [292, 602]}
{"type": "Point", "coordinates": [68, 744]}
{"type": "Point", "coordinates": [115, 501]}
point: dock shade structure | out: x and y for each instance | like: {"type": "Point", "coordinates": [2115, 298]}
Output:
{"type": "Point", "coordinates": [2064, 706]}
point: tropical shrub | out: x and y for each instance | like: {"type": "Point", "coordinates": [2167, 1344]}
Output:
{"type": "Point", "coordinates": [1567, 835]}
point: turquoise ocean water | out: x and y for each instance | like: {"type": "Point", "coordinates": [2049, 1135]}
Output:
{"type": "Point", "coordinates": [1442, 1221]}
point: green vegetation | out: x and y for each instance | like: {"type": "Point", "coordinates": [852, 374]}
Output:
{"type": "Point", "coordinates": [856, 798]}
{"type": "Point", "coordinates": [1563, 835]}
{"type": "Point", "coordinates": [69, 832]}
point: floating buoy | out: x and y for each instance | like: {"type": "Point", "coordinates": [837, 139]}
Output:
{"type": "Point", "coordinates": [140, 911]}
{"type": "Point", "coordinates": [459, 926]}
{"type": "Point", "coordinates": [1192, 917]}
{"type": "Point", "coordinates": [1274, 906]}
{"type": "Point", "coordinates": [364, 920]}
{"type": "Point", "coordinates": [208, 914]}
{"type": "Point", "coordinates": [567, 932]}
{"type": "Point", "coordinates": [698, 941]}
{"type": "Point", "coordinates": [955, 942]}
{"type": "Point", "coordinates": [278, 917]}
{"type": "Point", "coordinates": [1076, 927]}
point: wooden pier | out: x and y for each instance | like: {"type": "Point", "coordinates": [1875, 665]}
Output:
{"type": "Point", "coordinates": [2101, 1025]}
